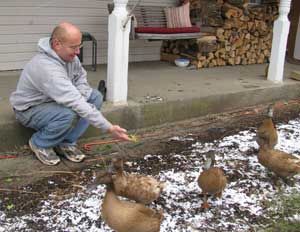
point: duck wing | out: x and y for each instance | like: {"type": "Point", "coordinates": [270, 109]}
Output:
{"type": "Point", "coordinates": [284, 164]}
{"type": "Point", "coordinates": [212, 180]}
{"type": "Point", "coordinates": [267, 134]}
{"type": "Point", "coordinates": [144, 189]}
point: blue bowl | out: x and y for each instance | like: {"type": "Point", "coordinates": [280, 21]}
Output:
{"type": "Point", "coordinates": [182, 62]}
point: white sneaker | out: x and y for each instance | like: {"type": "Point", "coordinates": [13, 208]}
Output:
{"type": "Point", "coordinates": [45, 155]}
{"type": "Point", "coordinates": [72, 153]}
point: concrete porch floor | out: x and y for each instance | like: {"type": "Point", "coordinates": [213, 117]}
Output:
{"type": "Point", "coordinates": [160, 92]}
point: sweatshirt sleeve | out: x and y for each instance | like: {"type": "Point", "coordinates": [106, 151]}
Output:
{"type": "Point", "coordinates": [56, 85]}
{"type": "Point", "coordinates": [80, 80]}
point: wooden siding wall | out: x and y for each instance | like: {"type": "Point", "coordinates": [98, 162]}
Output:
{"type": "Point", "coordinates": [23, 22]}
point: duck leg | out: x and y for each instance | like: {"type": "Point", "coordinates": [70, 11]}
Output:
{"type": "Point", "coordinates": [219, 194]}
{"type": "Point", "coordinates": [205, 204]}
{"type": "Point", "coordinates": [276, 181]}
{"type": "Point", "coordinates": [289, 182]}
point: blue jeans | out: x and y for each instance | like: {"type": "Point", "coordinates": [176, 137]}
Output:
{"type": "Point", "coordinates": [56, 124]}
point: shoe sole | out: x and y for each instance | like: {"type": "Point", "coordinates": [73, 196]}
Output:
{"type": "Point", "coordinates": [68, 157]}
{"type": "Point", "coordinates": [73, 160]}
{"type": "Point", "coordinates": [41, 159]}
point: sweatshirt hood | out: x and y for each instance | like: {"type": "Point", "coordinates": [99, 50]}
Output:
{"type": "Point", "coordinates": [44, 47]}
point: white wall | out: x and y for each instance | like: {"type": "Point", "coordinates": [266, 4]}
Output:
{"type": "Point", "coordinates": [23, 22]}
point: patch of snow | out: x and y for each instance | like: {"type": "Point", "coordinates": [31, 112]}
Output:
{"type": "Point", "coordinates": [237, 210]}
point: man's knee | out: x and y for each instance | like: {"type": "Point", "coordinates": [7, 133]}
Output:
{"type": "Point", "coordinates": [59, 121]}
{"type": "Point", "coordinates": [69, 117]}
{"type": "Point", "coordinates": [96, 98]}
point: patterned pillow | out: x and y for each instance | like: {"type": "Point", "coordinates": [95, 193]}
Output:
{"type": "Point", "coordinates": [178, 16]}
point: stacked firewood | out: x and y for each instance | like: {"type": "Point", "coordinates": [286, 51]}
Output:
{"type": "Point", "coordinates": [206, 12]}
{"type": "Point", "coordinates": [244, 38]}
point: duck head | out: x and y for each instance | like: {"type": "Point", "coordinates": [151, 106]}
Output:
{"type": "Point", "coordinates": [270, 111]}
{"type": "Point", "coordinates": [210, 160]}
{"type": "Point", "coordinates": [118, 164]}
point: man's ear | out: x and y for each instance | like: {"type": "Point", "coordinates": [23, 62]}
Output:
{"type": "Point", "coordinates": [55, 43]}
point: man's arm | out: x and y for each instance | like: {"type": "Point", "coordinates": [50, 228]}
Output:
{"type": "Point", "coordinates": [119, 132]}
{"type": "Point", "coordinates": [80, 79]}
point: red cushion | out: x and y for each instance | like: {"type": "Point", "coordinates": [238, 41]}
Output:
{"type": "Point", "coordinates": [165, 30]}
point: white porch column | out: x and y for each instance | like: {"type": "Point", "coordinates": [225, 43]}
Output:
{"type": "Point", "coordinates": [280, 35]}
{"type": "Point", "coordinates": [117, 58]}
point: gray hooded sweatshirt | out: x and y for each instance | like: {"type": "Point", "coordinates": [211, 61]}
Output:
{"type": "Point", "coordinates": [47, 78]}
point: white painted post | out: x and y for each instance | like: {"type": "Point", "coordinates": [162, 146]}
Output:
{"type": "Point", "coordinates": [280, 35]}
{"type": "Point", "coordinates": [117, 58]}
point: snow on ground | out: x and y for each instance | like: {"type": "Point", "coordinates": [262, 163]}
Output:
{"type": "Point", "coordinates": [239, 210]}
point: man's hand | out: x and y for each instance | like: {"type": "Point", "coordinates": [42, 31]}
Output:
{"type": "Point", "coordinates": [119, 132]}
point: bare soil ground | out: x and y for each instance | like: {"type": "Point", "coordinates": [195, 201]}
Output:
{"type": "Point", "coordinates": [24, 193]}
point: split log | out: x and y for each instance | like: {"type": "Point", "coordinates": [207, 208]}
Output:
{"type": "Point", "coordinates": [168, 57]}
{"type": "Point", "coordinates": [230, 11]}
{"type": "Point", "coordinates": [207, 44]}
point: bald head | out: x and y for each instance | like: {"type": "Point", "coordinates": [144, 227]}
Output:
{"type": "Point", "coordinates": [65, 31]}
{"type": "Point", "coordinates": [66, 41]}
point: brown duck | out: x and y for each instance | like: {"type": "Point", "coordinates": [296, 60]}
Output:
{"type": "Point", "coordinates": [281, 163]}
{"type": "Point", "coordinates": [141, 188]}
{"type": "Point", "coordinates": [125, 216]}
{"type": "Point", "coordinates": [212, 180]}
{"type": "Point", "coordinates": [267, 133]}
